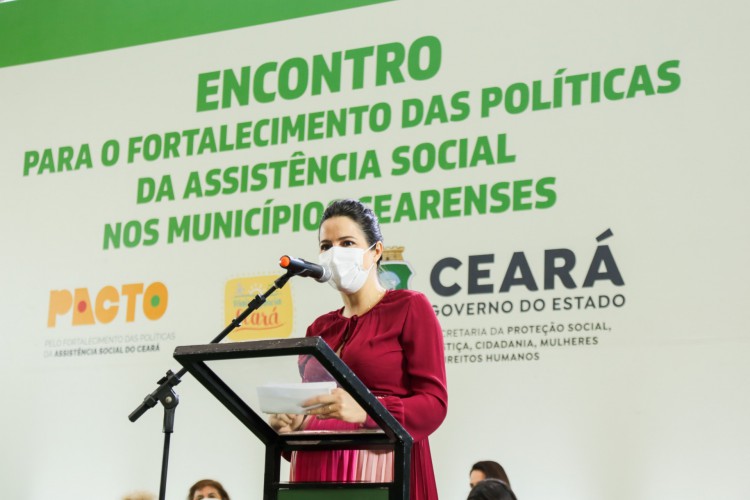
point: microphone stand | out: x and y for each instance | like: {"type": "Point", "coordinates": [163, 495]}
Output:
{"type": "Point", "coordinates": [165, 394]}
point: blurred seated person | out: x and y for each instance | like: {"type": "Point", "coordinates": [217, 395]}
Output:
{"type": "Point", "coordinates": [487, 469]}
{"type": "Point", "coordinates": [491, 489]}
{"type": "Point", "coordinates": [207, 488]}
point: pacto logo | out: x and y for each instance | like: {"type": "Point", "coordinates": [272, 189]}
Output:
{"type": "Point", "coordinates": [109, 303]}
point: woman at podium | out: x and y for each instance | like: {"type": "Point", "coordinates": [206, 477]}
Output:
{"type": "Point", "coordinates": [392, 341]}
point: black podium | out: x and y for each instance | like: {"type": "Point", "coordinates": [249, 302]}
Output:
{"type": "Point", "coordinates": [212, 365]}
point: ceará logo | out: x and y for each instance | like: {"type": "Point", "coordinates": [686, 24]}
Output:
{"type": "Point", "coordinates": [131, 301]}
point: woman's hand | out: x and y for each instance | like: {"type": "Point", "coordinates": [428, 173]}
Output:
{"type": "Point", "coordinates": [285, 422]}
{"type": "Point", "coordinates": [339, 404]}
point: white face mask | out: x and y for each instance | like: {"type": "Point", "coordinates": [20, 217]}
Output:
{"type": "Point", "coordinates": [347, 267]}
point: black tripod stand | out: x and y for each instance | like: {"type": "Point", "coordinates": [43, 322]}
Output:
{"type": "Point", "coordinates": [165, 394]}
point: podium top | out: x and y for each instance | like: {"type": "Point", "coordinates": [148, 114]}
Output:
{"type": "Point", "coordinates": [232, 372]}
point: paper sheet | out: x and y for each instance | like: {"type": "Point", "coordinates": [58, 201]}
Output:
{"type": "Point", "coordinates": [288, 398]}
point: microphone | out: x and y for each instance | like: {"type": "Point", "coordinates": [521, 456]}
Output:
{"type": "Point", "coordinates": [301, 267]}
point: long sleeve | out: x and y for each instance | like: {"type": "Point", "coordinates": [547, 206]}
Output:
{"type": "Point", "coordinates": [424, 409]}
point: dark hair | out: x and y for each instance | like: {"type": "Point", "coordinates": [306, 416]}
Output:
{"type": "Point", "coordinates": [208, 482]}
{"type": "Point", "coordinates": [491, 470]}
{"type": "Point", "coordinates": [491, 489]}
{"type": "Point", "coordinates": [363, 216]}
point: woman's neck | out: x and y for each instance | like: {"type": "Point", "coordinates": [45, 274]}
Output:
{"type": "Point", "coordinates": [366, 298]}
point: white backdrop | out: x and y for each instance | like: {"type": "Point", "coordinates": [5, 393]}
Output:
{"type": "Point", "coordinates": [642, 400]}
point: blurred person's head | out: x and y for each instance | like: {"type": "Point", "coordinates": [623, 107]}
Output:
{"type": "Point", "coordinates": [207, 488]}
{"type": "Point", "coordinates": [491, 489]}
{"type": "Point", "coordinates": [487, 469]}
{"type": "Point", "coordinates": [139, 495]}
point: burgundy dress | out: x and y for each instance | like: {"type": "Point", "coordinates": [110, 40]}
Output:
{"type": "Point", "coordinates": [396, 349]}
